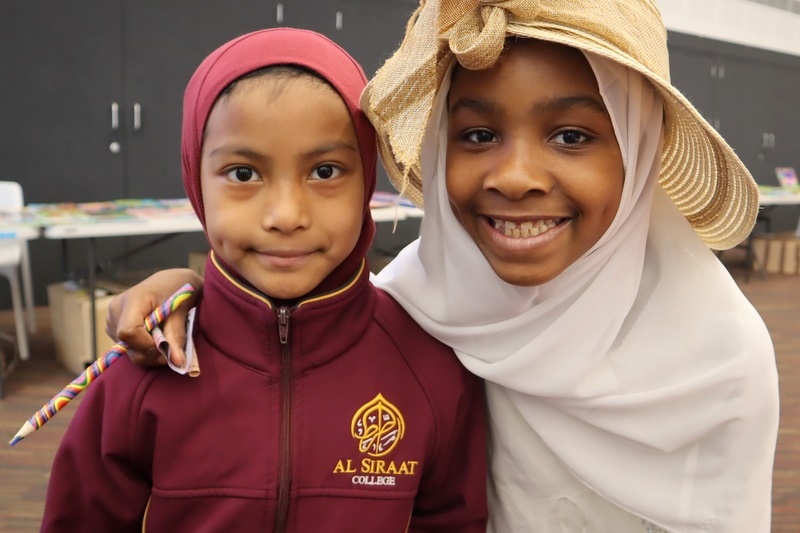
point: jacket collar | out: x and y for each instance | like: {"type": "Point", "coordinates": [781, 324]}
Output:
{"type": "Point", "coordinates": [243, 323]}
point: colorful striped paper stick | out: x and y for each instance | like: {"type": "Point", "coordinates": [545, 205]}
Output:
{"type": "Point", "coordinates": [77, 385]}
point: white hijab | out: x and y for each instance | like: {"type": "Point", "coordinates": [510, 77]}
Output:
{"type": "Point", "coordinates": [642, 366]}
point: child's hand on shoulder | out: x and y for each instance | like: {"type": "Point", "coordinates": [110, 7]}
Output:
{"type": "Point", "coordinates": [127, 311]}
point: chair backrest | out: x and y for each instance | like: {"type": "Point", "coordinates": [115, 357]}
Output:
{"type": "Point", "coordinates": [11, 199]}
{"type": "Point", "coordinates": [11, 251]}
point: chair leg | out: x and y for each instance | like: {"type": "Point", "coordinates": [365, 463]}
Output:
{"type": "Point", "coordinates": [750, 258]}
{"type": "Point", "coordinates": [19, 316]}
{"type": "Point", "coordinates": [27, 288]}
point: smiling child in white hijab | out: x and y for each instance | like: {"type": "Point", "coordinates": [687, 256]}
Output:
{"type": "Point", "coordinates": [635, 389]}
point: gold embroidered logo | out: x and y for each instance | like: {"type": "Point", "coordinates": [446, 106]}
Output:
{"type": "Point", "coordinates": [378, 426]}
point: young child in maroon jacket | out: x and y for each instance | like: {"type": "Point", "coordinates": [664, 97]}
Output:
{"type": "Point", "coordinates": [322, 405]}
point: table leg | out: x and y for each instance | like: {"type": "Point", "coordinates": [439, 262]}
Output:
{"type": "Point", "coordinates": [92, 301]}
{"type": "Point", "coordinates": [65, 273]}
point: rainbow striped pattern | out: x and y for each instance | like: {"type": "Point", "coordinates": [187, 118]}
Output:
{"type": "Point", "coordinates": [60, 400]}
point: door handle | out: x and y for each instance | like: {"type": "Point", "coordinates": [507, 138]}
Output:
{"type": "Point", "coordinates": [137, 116]}
{"type": "Point", "coordinates": [114, 116]}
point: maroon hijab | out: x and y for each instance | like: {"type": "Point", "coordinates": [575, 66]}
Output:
{"type": "Point", "coordinates": [280, 46]}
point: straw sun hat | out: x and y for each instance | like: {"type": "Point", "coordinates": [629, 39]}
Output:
{"type": "Point", "coordinates": [700, 172]}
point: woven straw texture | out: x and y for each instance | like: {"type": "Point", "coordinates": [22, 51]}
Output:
{"type": "Point", "coordinates": [700, 172]}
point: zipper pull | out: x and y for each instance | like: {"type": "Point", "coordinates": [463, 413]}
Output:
{"type": "Point", "coordinates": [283, 324]}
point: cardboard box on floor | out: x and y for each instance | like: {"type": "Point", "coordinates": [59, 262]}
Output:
{"type": "Point", "coordinates": [70, 309]}
{"type": "Point", "coordinates": [779, 253]}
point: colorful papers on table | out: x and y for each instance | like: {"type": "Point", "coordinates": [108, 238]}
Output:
{"type": "Point", "coordinates": [787, 177]}
{"type": "Point", "coordinates": [93, 212]}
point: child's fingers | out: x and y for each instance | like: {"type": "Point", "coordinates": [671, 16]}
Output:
{"type": "Point", "coordinates": [174, 328]}
{"type": "Point", "coordinates": [125, 322]}
{"type": "Point", "coordinates": [139, 359]}
{"type": "Point", "coordinates": [127, 311]}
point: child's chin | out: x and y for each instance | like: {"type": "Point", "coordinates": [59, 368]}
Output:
{"type": "Point", "coordinates": [522, 275]}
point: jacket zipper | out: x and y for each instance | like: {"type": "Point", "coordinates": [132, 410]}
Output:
{"type": "Point", "coordinates": [284, 452]}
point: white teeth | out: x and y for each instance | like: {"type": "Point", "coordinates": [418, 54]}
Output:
{"type": "Point", "coordinates": [525, 229]}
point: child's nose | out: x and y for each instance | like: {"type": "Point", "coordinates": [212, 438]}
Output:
{"type": "Point", "coordinates": [520, 170]}
{"type": "Point", "coordinates": [285, 208]}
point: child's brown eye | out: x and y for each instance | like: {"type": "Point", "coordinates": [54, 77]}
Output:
{"type": "Point", "coordinates": [481, 136]}
{"type": "Point", "coordinates": [571, 137]}
{"type": "Point", "coordinates": [326, 172]}
{"type": "Point", "coordinates": [241, 174]}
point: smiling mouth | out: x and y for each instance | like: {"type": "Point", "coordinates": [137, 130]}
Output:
{"type": "Point", "coordinates": [284, 254]}
{"type": "Point", "coordinates": [524, 229]}
{"type": "Point", "coordinates": [283, 259]}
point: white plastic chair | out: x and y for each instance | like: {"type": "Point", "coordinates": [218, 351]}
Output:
{"type": "Point", "coordinates": [13, 260]}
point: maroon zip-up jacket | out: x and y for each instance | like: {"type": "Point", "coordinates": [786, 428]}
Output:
{"type": "Point", "coordinates": [338, 414]}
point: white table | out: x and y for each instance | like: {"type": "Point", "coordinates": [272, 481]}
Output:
{"type": "Point", "coordinates": [161, 225]}
{"type": "Point", "coordinates": [778, 198]}
{"type": "Point", "coordinates": [123, 228]}
{"type": "Point", "coordinates": [21, 232]}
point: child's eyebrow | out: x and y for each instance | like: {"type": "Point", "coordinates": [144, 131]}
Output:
{"type": "Point", "coordinates": [476, 104]}
{"type": "Point", "coordinates": [330, 147]}
{"type": "Point", "coordinates": [561, 103]}
{"type": "Point", "coordinates": [237, 150]}
{"type": "Point", "coordinates": [252, 154]}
